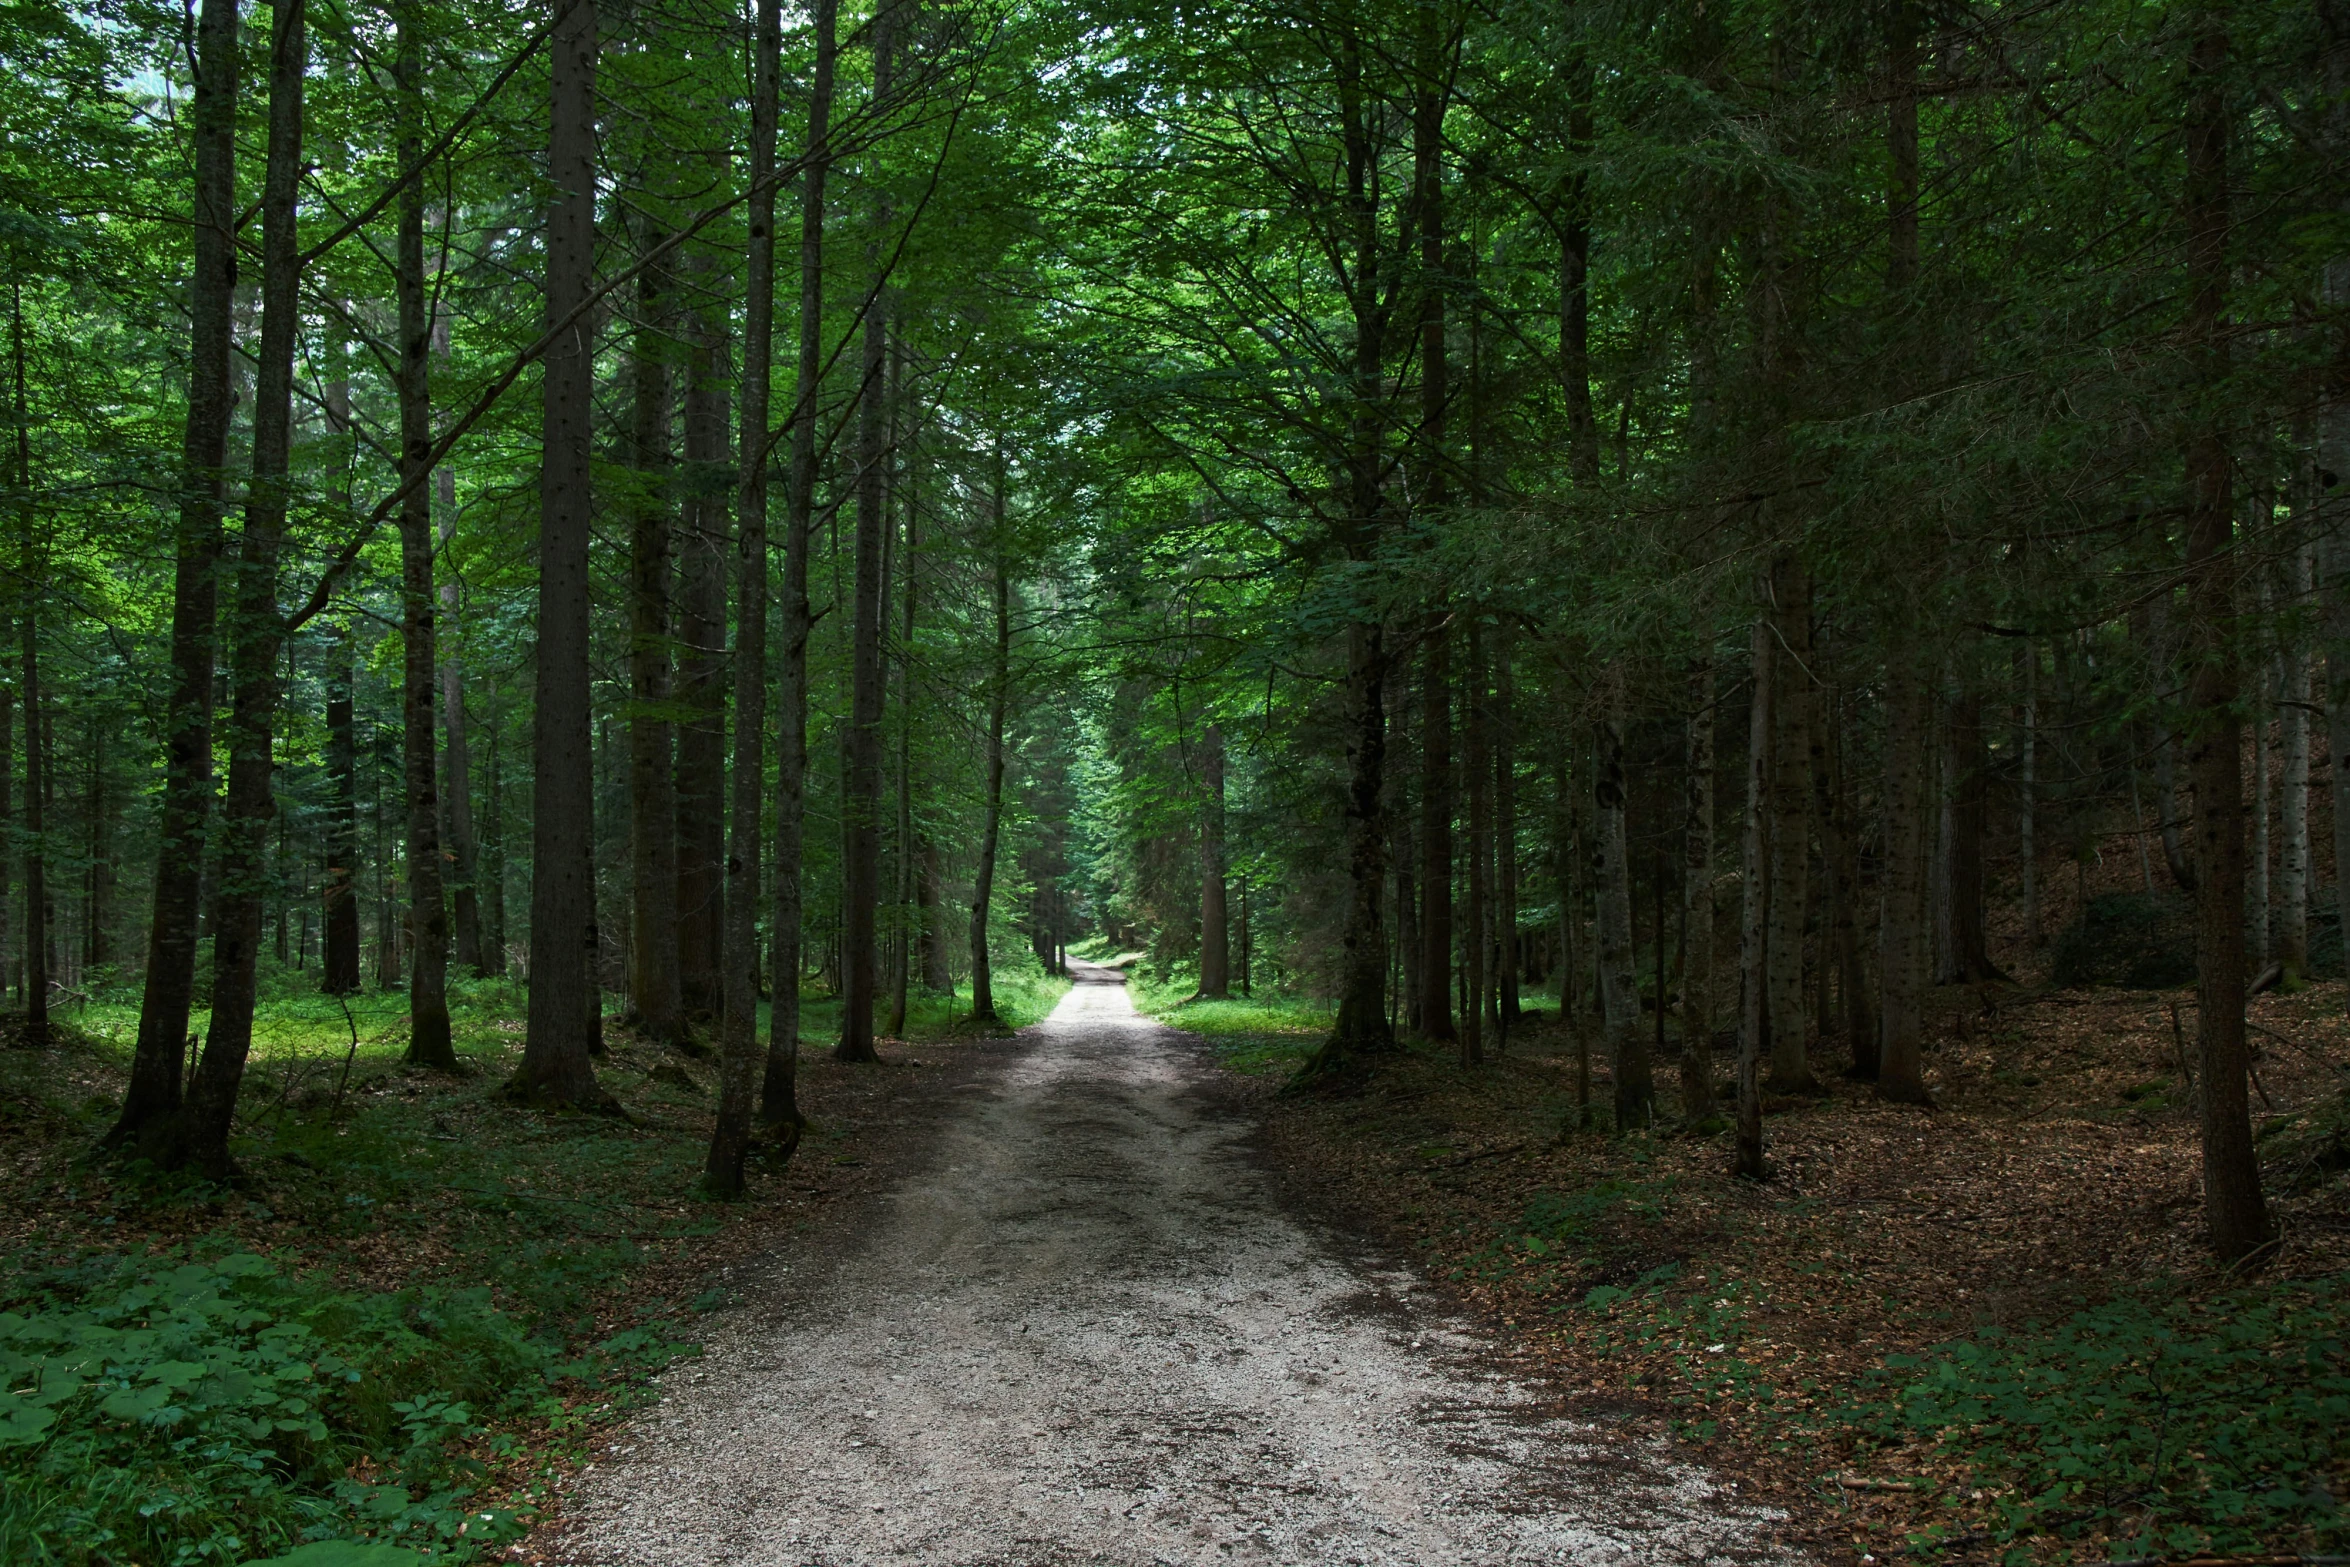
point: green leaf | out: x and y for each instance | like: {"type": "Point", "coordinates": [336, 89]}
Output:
{"type": "Point", "coordinates": [342, 1553]}
{"type": "Point", "coordinates": [136, 1403]}
{"type": "Point", "coordinates": [24, 1424]}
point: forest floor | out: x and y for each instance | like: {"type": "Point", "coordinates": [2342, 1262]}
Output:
{"type": "Point", "coordinates": [1988, 1331]}
{"type": "Point", "coordinates": [1085, 1327]}
{"type": "Point", "coordinates": [494, 1288]}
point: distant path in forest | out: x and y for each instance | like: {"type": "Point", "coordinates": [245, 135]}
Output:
{"type": "Point", "coordinates": [1088, 1332]}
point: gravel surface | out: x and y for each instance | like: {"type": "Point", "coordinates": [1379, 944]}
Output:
{"type": "Point", "coordinates": [1089, 1332]}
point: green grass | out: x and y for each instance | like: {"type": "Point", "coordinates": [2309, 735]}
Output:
{"type": "Point", "coordinates": [1024, 994]}
{"type": "Point", "coordinates": [1258, 1035]}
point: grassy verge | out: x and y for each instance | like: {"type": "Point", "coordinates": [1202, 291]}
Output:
{"type": "Point", "coordinates": [403, 1323]}
{"type": "Point", "coordinates": [1258, 1035]}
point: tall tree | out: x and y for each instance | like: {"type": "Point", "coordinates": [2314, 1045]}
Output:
{"type": "Point", "coordinates": [256, 626]}
{"type": "Point", "coordinates": [36, 728]}
{"type": "Point", "coordinates": [429, 1042]}
{"type": "Point", "coordinates": [739, 1048]}
{"type": "Point", "coordinates": [160, 1061]}
{"type": "Point", "coordinates": [1619, 990]}
{"type": "Point", "coordinates": [1902, 947]}
{"type": "Point", "coordinates": [339, 962]}
{"type": "Point", "coordinates": [2234, 1210]}
{"type": "Point", "coordinates": [1697, 893]}
{"type": "Point", "coordinates": [1360, 1029]}
{"type": "Point", "coordinates": [556, 1069]}
{"type": "Point", "coordinates": [777, 1101]}
{"type": "Point", "coordinates": [1436, 814]}
{"type": "Point", "coordinates": [1754, 1012]}
{"type": "Point", "coordinates": [999, 693]}
{"type": "Point", "coordinates": [1790, 863]}
{"type": "Point", "coordinates": [652, 803]}
{"type": "Point", "coordinates": [1477, 906]}
{"type": "Point", "coordinates": [1215, 942]}
{"type": "Point", "coordinates": [861, 765]}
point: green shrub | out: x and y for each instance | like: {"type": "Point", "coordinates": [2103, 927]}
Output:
{"type": "Point", "coordinates": [2178, 1427]}
{"type": "Point", "coordinates": [214, 1411]}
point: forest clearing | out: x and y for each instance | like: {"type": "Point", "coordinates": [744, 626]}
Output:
{"type": "Point", "coordinates": [997, 782]}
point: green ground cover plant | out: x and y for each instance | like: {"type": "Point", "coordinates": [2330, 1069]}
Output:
{"type": "Point", "coordinates": [409, 1298]}
{"type": "Point", "coordinates": [2164, 1421]}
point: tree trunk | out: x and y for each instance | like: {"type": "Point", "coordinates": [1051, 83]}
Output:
{"type": "Point", "coordinates": [999, 701]}
{"type": "Point", "coordinates": [2259, 906]}
{"type": "Point", "coordinates": [1477, 765]}
{"type": "Point", "coordinates": [1575, 280]}
{"type": "Point", "coordinates": [1360, 1030]}
{"type": "Point", "coordinates": [8, 827]}
{"type": "Point", "coordinates": [387, 936]}
{"type": "Point", "coordinates": [257, 629]}
{"type": "Point", "coordinates": [1859, 1012]}
{"type": "Point", "coordinates": [1505, 827]}
{"type": "Point", "coordinates": [36, 872]}
{"type": "Point", "coordinates": [97, 950]}
{"type": "Point", "coordinates": [1436, 831]}
{"type": "Point", "coordinates": [655, 1002]}
{"type": "Point", "coordinates": [1754, 1014]}
{"type": "Point", "coordinates": [861, 780]}
{"type": "Point", "coordinates": [36, 761]}
{"type": "Point", "coordinates": [465, 899]}
{"type": "Point", "coordinates": [930, 918]}
{"type": "Point", "coordinates": [1697, 898]}
{"type": "Point", "coordinates": [1244, 942]}
{"type": "Point", "coordinates": [2331, 482]}
{"type": "Point", "coordinates": [52, 957]}
{"type": "Point", "coordinates": [1619, 992]}
{"type": "Point", "coordinates": [493, 860]}
{"type": "Point", "coordinates": [1902, 945]}
{"type": "Point", "coordinates": [429, 1042]}
{"type": "Point", "coordinates": [778, 1095]}
{"type": "Point", "coordinates": [159, 1063]}
{"type": "Point", "coordinates": [1831, 899]}
{"type": "Point", "coordinates": [2027, 742]}
{"type": "Point", "coordinates": [739, 1054]}
{"type": "Point", "coordinates": [698, 794]}
{"type": "Point", "coordinates": [1404, 857]}
{"type": "Point", "coordinates": [1574, 956]}
{"type": "Point", "coordinates": [1361, 1027]}
{"type": "Point", "coordinates": [902, 969]}
{"type": "Point", "coordinates": [556, 1068]}
{"type": "Point", "coordinates": [700, 787]}
{"type": "Point", "coordinates": [464, 847]}
{"type": "Point", "coordinates": [2235, 1213]}
{"type": "Point", "coordinates": [2292, 917]}
{"type": "Point", "coordinates": [340, 962]}
{"type": "Point", "coordinates": [1790, 861]}
{"type": "Point", "coordinates": [2163, 638]}
{"type": "Point", "coordinates": [1215, 944]}
{"type": "Point", "coordinates": [1962, 947]}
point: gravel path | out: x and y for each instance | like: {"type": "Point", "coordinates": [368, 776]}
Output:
{"type": "Point", "coordinates": [1089, 1333]}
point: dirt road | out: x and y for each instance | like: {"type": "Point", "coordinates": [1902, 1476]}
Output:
{"type": "Point", "coordinates": [1090, 1333]}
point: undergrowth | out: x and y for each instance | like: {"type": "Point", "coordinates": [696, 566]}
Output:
{"type": "Point", "coordinates": [406, 1300]}
{"type": "Point", "coordinates": [2155, 1423]}
{"type": "Point", "coordinates": [172, 1410]}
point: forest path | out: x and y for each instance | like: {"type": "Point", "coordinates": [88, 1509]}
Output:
{"type": "Point", "coordinates": [1090, 1333]}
